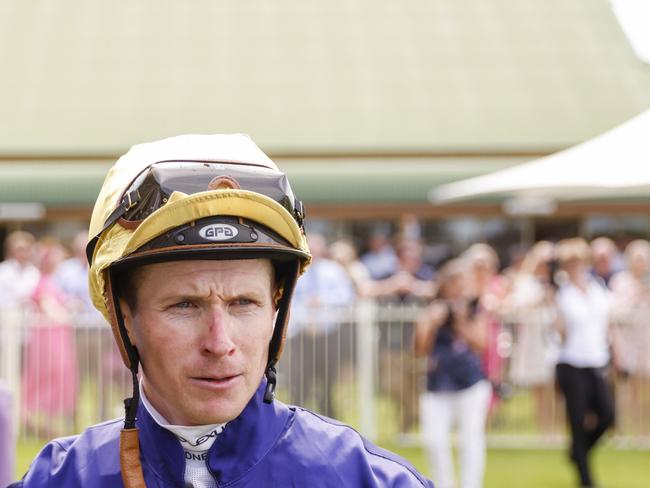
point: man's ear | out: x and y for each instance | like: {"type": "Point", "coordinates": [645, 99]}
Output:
{"type": "Point", "coordinates": [128, 319]}
{"type": "Point", "coordinates": [277, 296]}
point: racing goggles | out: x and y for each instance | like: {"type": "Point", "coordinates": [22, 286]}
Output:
{"type": "Point", "coordinates": [152, 188]}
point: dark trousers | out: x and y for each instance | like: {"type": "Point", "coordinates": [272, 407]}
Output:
{"type": "Point", "coordinates": [585, 390]}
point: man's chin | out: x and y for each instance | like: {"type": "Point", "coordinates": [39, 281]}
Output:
{"type": "Point", "coordinates": [207, 406]}
{"type": "Point", "coordinates": [217, 411]}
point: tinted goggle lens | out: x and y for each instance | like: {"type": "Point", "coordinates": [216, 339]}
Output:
{"type": "Point", "coordinates": [154, 186]}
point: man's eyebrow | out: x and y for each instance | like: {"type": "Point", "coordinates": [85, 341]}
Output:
{"type": "Point", "coordinates": [256, 293]}
{"type": "Point", "coordinates": [183, 292]}
{"type": "Point", "coordinates": [195, 293]}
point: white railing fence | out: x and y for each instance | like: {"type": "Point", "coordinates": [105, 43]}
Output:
{"type": "Point", "coordinates": [361, 370]}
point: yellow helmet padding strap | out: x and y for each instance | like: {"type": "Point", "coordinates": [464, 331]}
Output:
{"type": "Point", "coordinates": [118, 242]}
{"type": "Point", "coordinates": [240, 203]}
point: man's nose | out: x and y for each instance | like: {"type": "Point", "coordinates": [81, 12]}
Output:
{"type": "Point", "coordinates": [217, 339]}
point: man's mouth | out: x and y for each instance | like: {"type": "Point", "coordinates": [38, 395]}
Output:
{"type": "Point", "coordinates": [215, 378]}
{"type": "Point", "coordinates": [220, 381]}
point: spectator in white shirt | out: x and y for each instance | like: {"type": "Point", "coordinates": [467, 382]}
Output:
{"type": "Point", "coordinates": [18, 275]}
{"type": "Point", "coordinates": [584, 323]}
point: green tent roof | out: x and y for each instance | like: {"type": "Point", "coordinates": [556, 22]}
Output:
{"type": "Point", "coordinates": [95, 77]}
{"type": "Point", "coordinates": [343, 181]}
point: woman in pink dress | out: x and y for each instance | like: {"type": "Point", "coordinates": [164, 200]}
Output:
{"type": "Point", "coordinates": [50, 381]}
{"type": "Point", "coordinates": [490, 288]}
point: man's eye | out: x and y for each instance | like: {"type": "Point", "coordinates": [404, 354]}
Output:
{"type": "Point", "coordinates": [241, 302]}
{"type": "Point", "coordinates": [183, 305]}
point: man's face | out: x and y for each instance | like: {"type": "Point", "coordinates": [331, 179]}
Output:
{"type": "Point", "coordinates": [202, 329]}
{"type": "Point", "coordinates": [22, 252]}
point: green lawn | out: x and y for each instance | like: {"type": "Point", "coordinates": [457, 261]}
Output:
{"type": "Point", "coordinates": [507, 468]}
{"type": "Point", "coordinates": [526, 468]}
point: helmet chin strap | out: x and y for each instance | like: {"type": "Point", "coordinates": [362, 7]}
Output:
{"type": "Point", "coordinates": [130, 465]}
{"type": "Point", "coordinates": [279, 331]}
{"type": "Point", "coordinates": [131, 404]}
{"type": "Point", "coordinates": [271, 381]}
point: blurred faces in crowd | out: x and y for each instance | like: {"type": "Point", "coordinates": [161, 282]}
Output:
{"type": "Point", "coordinates": [18, 275]}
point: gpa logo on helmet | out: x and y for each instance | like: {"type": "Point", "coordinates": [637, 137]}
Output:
{"type": "Point", "coordinates": [218, 232]}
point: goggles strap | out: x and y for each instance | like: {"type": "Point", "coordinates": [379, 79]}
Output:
{"type": "Point", "coordinates": [299, 214]}
{"type": "Point", "coordinates": [129, 200]}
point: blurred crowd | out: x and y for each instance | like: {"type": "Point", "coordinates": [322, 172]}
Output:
{"type": "Point", "coordinates": [569, 317]}
{"type": "Point", "coordinates": [520, 299]}
{"type": "Point", "coordinates": [44, 290]}
{"type": "Point", "coordinates": [536, 323]}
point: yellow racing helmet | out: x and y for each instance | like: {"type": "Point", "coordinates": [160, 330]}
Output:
{"type": "Point", "coordinates": [193, 197]}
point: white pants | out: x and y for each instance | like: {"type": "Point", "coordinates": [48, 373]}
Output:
{"type": "Point", "coordinates": [438, 411]}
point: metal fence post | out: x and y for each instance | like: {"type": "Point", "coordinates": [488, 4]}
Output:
{"type": "Point", "coordinates": [366, 361]}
